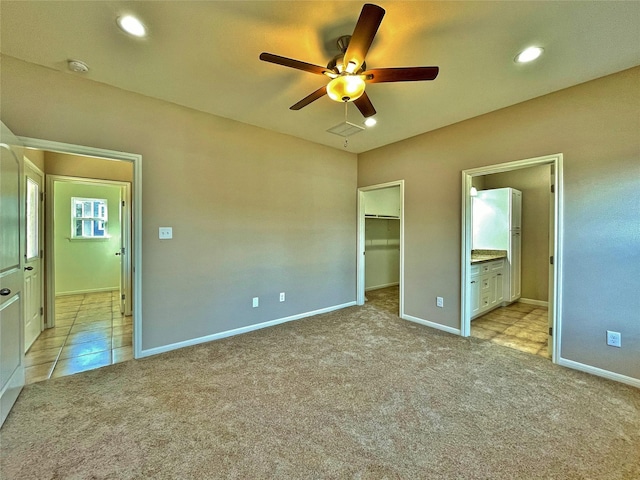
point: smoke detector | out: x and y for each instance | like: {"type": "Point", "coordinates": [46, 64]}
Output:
{"type": "Point", "coordinates": [78, 66]}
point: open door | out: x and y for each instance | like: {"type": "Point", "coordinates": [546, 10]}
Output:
{"type": "Point", "coordinates": [12, 375]}
{"type": "Point", "coordinates": [125, 250]}
{"type": "Point", "coordinates": [552, 236]}
{"type": "Point", "coordinates": [33, 269]}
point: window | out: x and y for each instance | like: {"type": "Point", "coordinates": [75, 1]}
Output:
{"type": "Point", "coordinates": [33, 197]}
{"type": "Point", "coordinates": [88, 217]}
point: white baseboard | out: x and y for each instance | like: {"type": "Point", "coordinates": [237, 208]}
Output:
{"type": "Point", "coordinates": [378, 287]}
{"type": "Point", "coordinates": [91, 290]}
{"type": "Point", "coordinates": [634, 382]}
{"type": "Point", "coordinates": [238, 331]}
{"type": "Point", "coordinates": [427, 323]}
{"type": "Point", "coordinates": [529, 301]}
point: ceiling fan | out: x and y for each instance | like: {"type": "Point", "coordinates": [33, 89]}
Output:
{"type": "Point", "coordinates": [348, 71]}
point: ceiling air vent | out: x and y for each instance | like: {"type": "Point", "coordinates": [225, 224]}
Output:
{"type": "Point", "coordinates": [346, 129]}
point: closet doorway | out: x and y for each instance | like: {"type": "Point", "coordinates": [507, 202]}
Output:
{"type": "Point", "coordinates": [380, 259]}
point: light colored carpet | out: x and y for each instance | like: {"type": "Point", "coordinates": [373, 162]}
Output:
{"type": "Point", "coordinates": [357, 393]}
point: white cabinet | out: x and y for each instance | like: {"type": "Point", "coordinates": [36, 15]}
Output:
{"type": "Point", "coordinates": [475, 290]}
{"type": "Point", "coordinates": [516, 209]}
{"type": "Point", "coordinates": [383, 202]}
{"type": "Point", "coordinates": [487, 286]}
{"type": "Point", "coordinates": [497, 225]}
{"type": "Point", "coordinates": [515, 260]}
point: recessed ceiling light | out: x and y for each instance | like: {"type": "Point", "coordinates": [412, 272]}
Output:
{"type": "Point", "coordinates": [132, 25]}
{"type": "Point", "coordinates": [370, 122]}
{"type": "Point", "coordinates": [529, 54]}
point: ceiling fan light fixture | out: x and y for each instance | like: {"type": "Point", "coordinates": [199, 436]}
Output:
{"type": "Point", "coordinates": [132, 26]}
{"type": "Point", "coordinates": [529, 54]}
{"type": "Point", "coordinates": [346, 88]}
{"type": "Point", "coordinates": [370, 122]}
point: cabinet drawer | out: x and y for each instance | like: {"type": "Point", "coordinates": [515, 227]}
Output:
{"type": "Point", "coordinates": [475, 270]}
{"type": "Point", "coordinates": [496, 265]}
{"type": "Point", "coordinates": [485, 267]}
{"type": "Point", "coordinates": [485, 301]}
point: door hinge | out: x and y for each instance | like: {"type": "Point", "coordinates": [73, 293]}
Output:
{"type": "Point", "coordinates": [42, 196]}
{"type": "Point", "coordinates": [123, 203]}
{"type": "Point", "coordinates": [553, 188]}
{"type": "Point", "coordinates": [551, 331]}
{"type": "Point", "coordinates": [122, 297]}
{"type": "Point", "coordinates": [41, 253]}
{"type": "Point", "coordinates": [551, 260]}
{"type": "Point", "coordinates": [121, 250]}
{"type": "Point", "coordinates": [41, 310]}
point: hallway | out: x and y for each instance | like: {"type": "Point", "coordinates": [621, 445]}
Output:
{"type": "Point", "coordinates": [90, 333]}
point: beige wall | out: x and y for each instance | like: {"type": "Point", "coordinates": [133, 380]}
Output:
{"type": "Point", "coordinates": [87, 167]}
{"type": "Point", "coordinates": [596, 126]}
{"type": "Point", "coordinates": [253, 212]}
{"type": "Point", "coordinates": [534, 184]}
{"type": "Point", "coordinates": [36, 157]}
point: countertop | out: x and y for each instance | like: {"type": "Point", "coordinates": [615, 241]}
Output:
{"type": "Point", "coordinates": [481, 256]}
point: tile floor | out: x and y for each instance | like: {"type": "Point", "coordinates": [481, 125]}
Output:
{"type": "Point", "coordinates": [519, 325]}
{"type": "Point", "coordinates": [89, 333]}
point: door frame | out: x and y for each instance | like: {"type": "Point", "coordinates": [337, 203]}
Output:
{"type": "Point", "coordinates": [556, 222]}
{"type": "Point", "coordinates": [361, 242]}
{"type": "Point", "coordinates": [124, 188]}
{"type": "Point", "coordinates": [136, 231]}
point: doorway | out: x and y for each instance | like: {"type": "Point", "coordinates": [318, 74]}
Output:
{"type": "Point", "coordinates": [380, 259]}
{"type": "Point", "coordinates": [520, 321]}
{"type": "Point", "coordinates": [114, 160]}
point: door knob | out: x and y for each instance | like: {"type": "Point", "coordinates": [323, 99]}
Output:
{"type": "Point", "coordinates": [28, 268]}
{"type": "Point", "coordinates": [4, 292]}
{"type": "Point", "coordinates": [117, 253]}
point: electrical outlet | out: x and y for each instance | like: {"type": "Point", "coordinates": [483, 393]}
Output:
{"type": "Point", "coordinates": [282, 296]}
{"type": "Point", "coordinates": [256, 302]}
{"type": "Point", "coordinates": [440, 302]}
{"type": "Point", "coordinates": [165, 233]}
{"type": "Point", "coordinates": [614, 339]}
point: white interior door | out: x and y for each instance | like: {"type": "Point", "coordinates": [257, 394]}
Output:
{"type": "Point", "coordinates": [11, 274]}
{"type": "Point", "coordinates": [551, 296]}
{"type": "Point", "coordinates": [125, 250]}
{"type": "Point", "coordinates": [33, 272]}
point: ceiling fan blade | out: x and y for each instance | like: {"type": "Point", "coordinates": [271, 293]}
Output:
{"type": "Point", "coordinates": [401, 74]}
{"type": "Point", "coordinates": [365, 106]}
{"type": "Point", "coordinates": [290, 62]}
{"type": "Point", "coordinates": [322, 91]}
{"type": "Point", "coordinates": [366, 29]}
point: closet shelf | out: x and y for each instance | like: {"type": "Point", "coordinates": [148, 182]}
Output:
{"type": "Point", "coordinates": [383, 217]}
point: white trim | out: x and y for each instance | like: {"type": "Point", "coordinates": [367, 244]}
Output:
{"type": "Point", "coordinates": [91, 290]}
{"type": "Point", "coordinates": [239, 331]}
{"type": "Point", "coordinates": [427, 323]}
{"type": "Point", "coordinates": [360, 288]}
{"type": "Point", "coordinates": [634, 382]}
{"type": "Point", "coordinates": [530, 301]}
{"type": "Point", "coordinates": [379, 287]}
{"type": "Point", "coordinates": [114, 155]}
{"type": "Point", "coordinates": [465, 301]}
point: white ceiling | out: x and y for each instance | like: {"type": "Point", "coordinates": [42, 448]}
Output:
{"type": "Point", "coordinates": [204, 55]}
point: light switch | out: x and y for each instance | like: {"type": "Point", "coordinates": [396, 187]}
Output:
{"type": "Point", "coordinates": [165, 233]}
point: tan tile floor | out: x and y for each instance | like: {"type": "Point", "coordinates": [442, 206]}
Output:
{"type": "Point", "coordinates": [519, 325]}
{"type": "Point", "coordinates": [90, 333]}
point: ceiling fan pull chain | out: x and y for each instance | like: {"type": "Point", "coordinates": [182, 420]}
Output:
{"type": "Point", "coordinates": [346, 142]}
